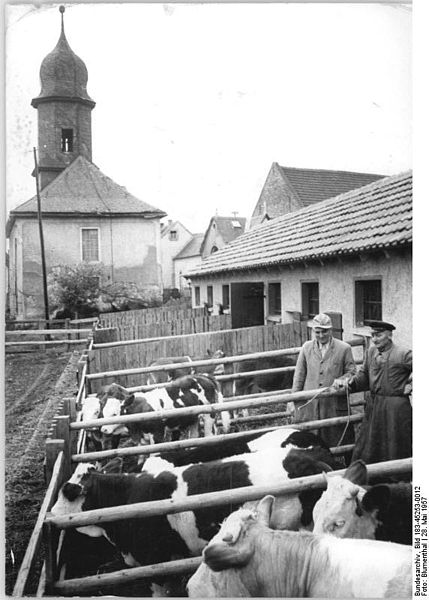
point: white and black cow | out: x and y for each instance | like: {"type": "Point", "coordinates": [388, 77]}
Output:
{"type": "Point", "coordinates": [350, 508]}
{"type": "Point", "coordinates": [248, 559]}
{"type": "Point", "coordinates": [174, 373]}
{"type": "Point", "coordinates": [88, 489]}
{"type": "Point", "coordinates": [187, 391]}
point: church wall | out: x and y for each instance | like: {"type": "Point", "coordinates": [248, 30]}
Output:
{"type": "Point", "coordinates": [129, 251]}
{"type": "Point", "coordinates": [276, 199]}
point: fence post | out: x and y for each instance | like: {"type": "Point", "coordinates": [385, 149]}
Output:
{"type": "Point", "coordinates": [63, 433]}
{"type": "Point", "coordinates": [50, 538]}
{"type": "Point", "coordinates": [53, 448]}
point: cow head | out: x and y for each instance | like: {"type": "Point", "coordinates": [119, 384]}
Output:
{"type": "Point", "coordinates": [339, 510]}
{"type": "Point", "coordinates": [112, 399]}
{"type": "Point", "coordinates": [234, 545]}
{"type": "Point", "coordinates": [71, 497]}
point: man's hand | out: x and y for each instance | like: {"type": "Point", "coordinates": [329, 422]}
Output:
{"type": "Point", "coordinates": [408, 389]}
{"type": "Point", "coordinates": [340, 384]}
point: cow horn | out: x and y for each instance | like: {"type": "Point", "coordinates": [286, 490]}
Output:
{"type": "Point", "coordinates": [264, 509]}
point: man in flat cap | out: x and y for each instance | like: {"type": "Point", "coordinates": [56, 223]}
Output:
{"type": "Point", "coordinates": [386, 430]}
{"type": "Point", "coordinates": [319, 363]}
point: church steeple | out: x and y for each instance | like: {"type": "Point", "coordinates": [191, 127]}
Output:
{"type": "Point", "coordinates": [64, 110]}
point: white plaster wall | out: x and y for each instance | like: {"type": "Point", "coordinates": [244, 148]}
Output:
{"type": "Point", "coordinates": [169, 249]}
{"type": "Point", "coordinates": [129, 250]}
{"type": "Point", "coordinates": [336, 289]}
{"type": "Point", "coordinates": [184, 265]}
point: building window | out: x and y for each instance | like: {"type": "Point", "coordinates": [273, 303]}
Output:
{"type": "Point", "coordinates": [310, 299]}
{"type": "Point", "coordinates": [90, 245]}
{"type": "Point", "coordinates": [274, 299]}
{"type": "Point", "coordinates": [66, 140]}
{"type": "Point", "coordinates": [225, 297]}
{"type": "Point", "coordinates": [368, 301]}
{"type": "Point", "coordinates": [173, 235]}
{"type": "Point", "coordinates": [210, 296]}
{"type": "Point", "coordinates": [214, 249]}
{"type": "Point", "coordinates": [197, 295]}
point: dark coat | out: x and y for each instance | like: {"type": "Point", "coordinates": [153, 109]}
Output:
{"type": "Point", "coordinates": [386, 430]}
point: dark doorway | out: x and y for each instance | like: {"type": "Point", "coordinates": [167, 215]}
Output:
{"type": "Point", "coordinates": [247, 304]}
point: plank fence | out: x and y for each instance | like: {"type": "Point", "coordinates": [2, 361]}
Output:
{"type": "Point", "coordinates": [141, 353]}
{"type": "Point", "coordinates": [162, 322]}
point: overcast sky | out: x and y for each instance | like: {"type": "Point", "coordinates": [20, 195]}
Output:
{"type": "Point", "coordinates": [195, 102]}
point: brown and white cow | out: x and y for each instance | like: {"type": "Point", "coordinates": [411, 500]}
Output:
{"type": "Point", "coordinates": [246, 559]}
{"type": "Point", "coordinates": [348, 510]}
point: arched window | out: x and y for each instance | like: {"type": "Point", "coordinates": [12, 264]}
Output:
{"type": "Point", "coordinates": [214, 249]}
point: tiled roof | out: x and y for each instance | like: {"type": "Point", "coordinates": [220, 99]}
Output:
{"type": "Point", "coordinates": [192, 248]}
{"type": "Point", "coordinates": [315, 185]}
{"type": "Point", "coordinates": [227, 229]}
{"type": "Point", "coordinates": [378, 215]}
{"type": "Point", "coordinates": [83, 189]}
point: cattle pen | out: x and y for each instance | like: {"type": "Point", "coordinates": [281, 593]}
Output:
{"type": "Point", "coordinates": [65, 445]}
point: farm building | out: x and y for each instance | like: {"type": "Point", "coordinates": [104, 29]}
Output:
{"type": "Point", "coordinates": [350, 254]}
{"type": "Point", "coordinates": [174, 238]}
{"type": "Point", "coordinates": [188, 258]}
{"type": "Point", "coordinates": [287, 189]}
{"type": "Point", "coordinates": [221, 231]}
{"type": "Point", "coordinates": [86, 215]}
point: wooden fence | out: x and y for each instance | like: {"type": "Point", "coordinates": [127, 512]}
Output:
{"type": "Point", "coordinates": [163, 507]}
{"type": "Point", "coordinates": [232, 341]}
{"type": "Point", "coordinates": [147, 316]}
{"type": "Point", "coordinates": [64, 441]}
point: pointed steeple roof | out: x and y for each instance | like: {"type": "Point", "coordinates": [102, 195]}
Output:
{"type": "Point", "coordinates": [63, 74]}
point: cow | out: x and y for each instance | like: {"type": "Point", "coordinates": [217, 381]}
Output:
{"type": "Point", "coordinates": [246, 558]}
{"type": "Point", "coordinates": [181, 535]}
{"type": "Point", "coordinates": [187, 391]}
{"type": "Point", "coordinates": [348, 510]}
{"type": "Point", "coordinates": [90, 410]}
{"type": "Point", "coordinates": [264, 382]}
{"type": "Point", "coordinates": [163, 376]}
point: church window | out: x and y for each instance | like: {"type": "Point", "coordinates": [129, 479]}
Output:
{"type": "Point", "coordinates": [214, 249]}
{"type": "Point", "coordinates": [90, 244]}
{"type": "Point", "coordinates": [66, 140]}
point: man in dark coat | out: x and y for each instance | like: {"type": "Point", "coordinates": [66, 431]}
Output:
{"type": "Point", "coordinates": [319, 363]}
{"type": "Point", "coordinates": [386, 430]}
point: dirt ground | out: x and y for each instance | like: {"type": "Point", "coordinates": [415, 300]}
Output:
{"type": "Point", "coordinates": [33, 385]}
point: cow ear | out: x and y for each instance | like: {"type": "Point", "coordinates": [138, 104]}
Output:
{"type": "Point", "coordinates": [129, 399]}
{"type": "Point", "coordinates": [264, 510]}
{"type": "Point", "coordinates": [376, 498]}
{"type": "Point", "coordinates": [357, 473]}
{"type": "Point", "coordinates": [72, 491]}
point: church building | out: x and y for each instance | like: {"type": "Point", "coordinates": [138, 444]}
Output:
{"type": "Point", "coordinates": [87, 217]}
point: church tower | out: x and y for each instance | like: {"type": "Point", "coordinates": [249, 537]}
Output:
{"type": "Point", "coordinates": [64, 110]}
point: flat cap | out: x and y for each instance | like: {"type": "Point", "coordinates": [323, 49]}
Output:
{"type": "Point", "coordinates": [323, 321]}
{"type": "Point", "coordinates": [380, 325]}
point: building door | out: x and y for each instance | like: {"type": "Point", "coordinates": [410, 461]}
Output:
{"type": "Point", "coordinates": [247, 304]}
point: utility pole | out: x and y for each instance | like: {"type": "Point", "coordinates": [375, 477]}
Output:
{"type": "Point", "coordinates": [42, 244]}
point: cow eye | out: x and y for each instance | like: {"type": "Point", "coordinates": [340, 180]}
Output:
{"type": "Point", "coordinates": [340, 523]}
